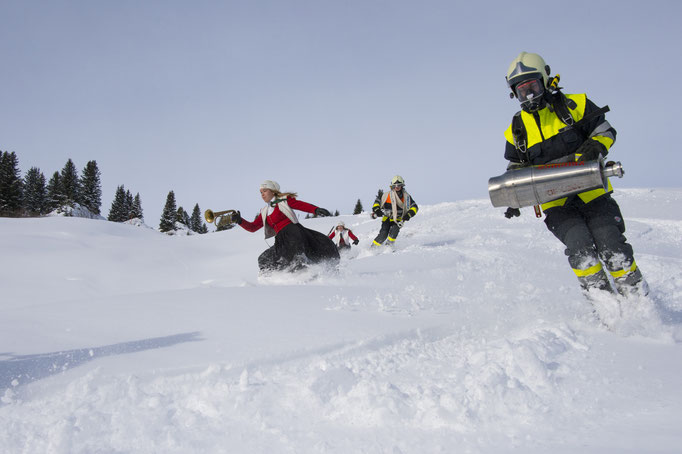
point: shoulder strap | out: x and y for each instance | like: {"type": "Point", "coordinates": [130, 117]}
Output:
{"type": "Point", "coordinates": [561, 106]}
{"type": "Point", "coordinates": [520, 134]}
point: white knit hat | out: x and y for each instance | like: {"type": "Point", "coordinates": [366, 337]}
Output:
{"type": "Point", "coordinates": [341, 223]}
{"type": "Point", "coordinates": [271, 185]}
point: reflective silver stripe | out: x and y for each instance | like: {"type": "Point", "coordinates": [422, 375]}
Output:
{"type": "Point", "coordinates": [603, 129]}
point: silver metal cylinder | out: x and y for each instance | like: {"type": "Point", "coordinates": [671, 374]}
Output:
{"type": "Point", "coordinates": [536, 185]}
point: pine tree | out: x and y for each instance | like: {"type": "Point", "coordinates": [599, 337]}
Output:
{"type": "Point", "coordinates": [380, 194]}
{"type": "Point", "coordinates": [70, 184]}
{"type": "Point", "coordinates": [11, 185]}
{"type": "Point", "coordinates": [336, 213]}
{"type": "Point", "coordinates": [55, 194]}
{"type": "Point", "coordinates": [358, 207]}
{"type": "Point", "coordinates": [91, 188]}
{"type": "Point", "coordinates": [136, 211]}
{"type": "Point", "coordinates": [35, 192]}
{"type": "Point", "coordinates": [128, 205]}
{"type": "Point", "coordinates": [169, 215]}
{"type": "Point", "coordinates": [182, 217]}
{"type": "Point", "coordinates": [118, 212]}
{"type": "Point", "coordinates": [196, 222]}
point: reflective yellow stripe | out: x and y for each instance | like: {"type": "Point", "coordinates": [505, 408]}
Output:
{"type": "Point", "coordinates": [588, 272]}
{"type": "Point", "coordinates": [391, 239]}
{"type": "Point", "coordinates": [621, 273]}
{"type": "Point", "coordinates": [553, 203]}
{"type": "Point", "coordinates": [607, 142]}
{"type": "Point", "coordinates": [378, 244]}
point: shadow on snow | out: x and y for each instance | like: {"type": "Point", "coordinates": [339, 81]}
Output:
{"type": "Point", "coordinates": [23, 369]}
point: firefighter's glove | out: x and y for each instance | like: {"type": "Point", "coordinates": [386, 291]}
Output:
{"type": "Point", "coordinates": [355, 242]}
{"type": "Point", "coordinates": [590, 150]}
{"type": "Point", "coordinates": [237, 217]}
{"type": "Point", "coordinates": [512, 212]}
{"type": "Point", "coordinates": [407, 216]}
{"type": "Point", "coordinates": [321, 212]}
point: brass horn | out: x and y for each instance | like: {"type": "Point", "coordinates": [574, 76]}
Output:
{"type": "Point", "coordinates": [222, 219]}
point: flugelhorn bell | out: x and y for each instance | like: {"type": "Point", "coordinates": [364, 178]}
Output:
{"type": "Point", "coordinates": [222, 219]}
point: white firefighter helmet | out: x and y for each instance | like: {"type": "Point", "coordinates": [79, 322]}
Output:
{"type": "Point", "coordinates": [527, 77]}
{"type": "Point", "coordinates": [397, 181]}
{"type": "Point", "coordinates": [527, 66]}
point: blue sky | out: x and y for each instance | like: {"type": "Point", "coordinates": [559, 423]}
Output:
{"type": "Point", "coordinates": [330, 99]}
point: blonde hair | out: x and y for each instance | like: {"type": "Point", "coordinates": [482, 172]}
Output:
{"type": "Point", "coordinates": [283, 195]}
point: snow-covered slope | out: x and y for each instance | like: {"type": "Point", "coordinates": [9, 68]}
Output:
{"type": "Point", "coordinates": [471, 336]}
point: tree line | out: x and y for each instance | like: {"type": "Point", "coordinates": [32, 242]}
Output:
{"type": "Point", "coordinates": [173, 215]}
{"type": "Point", "coordinates": [33, 195]}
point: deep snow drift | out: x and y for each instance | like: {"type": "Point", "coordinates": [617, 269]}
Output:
{"type": "Point", "coordinates": [471, 336]}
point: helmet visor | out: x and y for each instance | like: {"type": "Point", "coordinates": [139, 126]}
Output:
{"type": "Point", "coordinates": [529, 90]}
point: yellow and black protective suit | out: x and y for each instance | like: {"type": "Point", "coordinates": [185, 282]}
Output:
{"type": "Point", "coordinates": [589, 224]}
{"type": "Point", "coordinates": [394, 208]}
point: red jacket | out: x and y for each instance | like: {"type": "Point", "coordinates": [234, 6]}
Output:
{"type": "Point", "coordinates": [341, 241]}
{"type": "Point", "coordinates": [277, 219]}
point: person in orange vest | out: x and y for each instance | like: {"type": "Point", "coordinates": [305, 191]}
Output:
{"type": "Point", "coordinates": [342, 237]}
{"type": "Point", "coordinates": [394, 207]}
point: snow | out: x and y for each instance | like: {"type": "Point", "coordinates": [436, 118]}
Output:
{"type": "Point", "coordinates": [470, 336]}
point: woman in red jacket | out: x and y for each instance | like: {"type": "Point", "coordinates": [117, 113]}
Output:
{"type": "Point", "coordinates": [342, 237]}
{"type": "Point", "coordinates": [295, 246]}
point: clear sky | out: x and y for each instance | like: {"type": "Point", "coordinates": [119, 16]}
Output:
{"type": "Point", "coordinates": [329, 98]}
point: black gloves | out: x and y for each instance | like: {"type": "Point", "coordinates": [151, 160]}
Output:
{"type": "Point", "coordinates": [378, 213]}
{"type": "Point", "coordinates": [590, 150]}
{"type": "Point", "coordinates": [407, 216]}
{"type": "Point", "coordinates": [355, 242]}
{"type": "Point", "coordinates": [512, 212]}
{"type": "Point", "coordinates": [322, 212]}
{"type": "Point", "coordinates": [237, 217]}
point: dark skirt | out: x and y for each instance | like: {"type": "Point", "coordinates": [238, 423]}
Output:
{"type": "Point", "coordinates": [295, 247]}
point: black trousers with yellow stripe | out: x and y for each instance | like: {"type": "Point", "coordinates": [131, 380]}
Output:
{"type": "Point", "coordinates": [390, 230]}
{"type": "Point", "coordinates": [593, 234]}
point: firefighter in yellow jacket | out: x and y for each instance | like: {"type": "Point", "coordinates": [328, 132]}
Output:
{"type": "Point", "coordinates": [394, 207]}
{"type": "Point", "coordinates": [553, 127]}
